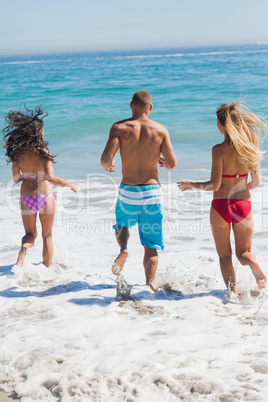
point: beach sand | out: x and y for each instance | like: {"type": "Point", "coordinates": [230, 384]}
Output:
{"type": "Point", "coordinates": [64, 335]}
{"type": "Point", "coordinates": [7, 396]}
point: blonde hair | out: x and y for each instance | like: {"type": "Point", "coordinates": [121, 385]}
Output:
{"type": "Point", "coordinates": [243, 131]}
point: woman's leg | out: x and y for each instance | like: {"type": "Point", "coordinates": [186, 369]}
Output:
{"type": "Point", "coordinates": [221, 233]}
{"type": "Point", "coordinates": [243, 232]}
{"type": "Point", "coordinates": [29, 223]}
{"type": "Point", "coordinates": [46, 217]}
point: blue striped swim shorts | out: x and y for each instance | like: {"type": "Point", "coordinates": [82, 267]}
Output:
{"type": "Point", "coordinates": [142, 205]}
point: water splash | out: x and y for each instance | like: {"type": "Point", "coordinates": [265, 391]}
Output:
{"type": "Point", "coordinates": [123, 289]}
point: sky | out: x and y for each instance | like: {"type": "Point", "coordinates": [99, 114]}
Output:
{"type": "Point", "coordinates": [34, 26]}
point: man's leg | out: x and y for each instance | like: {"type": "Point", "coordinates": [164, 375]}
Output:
{"type": "Point", "coordinates": [151, 236]}
{"type": "Point", "coordinates": [122, 236]}
{"type": "Point", "coordinates": [150, 263]}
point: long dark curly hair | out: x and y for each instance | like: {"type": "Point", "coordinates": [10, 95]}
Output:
{"type": "Point", "coordinates": [24, 133]}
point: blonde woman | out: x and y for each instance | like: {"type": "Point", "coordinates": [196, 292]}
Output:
{"type": "Point", "coordinates": [232, 161]}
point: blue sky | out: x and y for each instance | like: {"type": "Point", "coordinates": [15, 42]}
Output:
{"type": "Point", "coordinates": [34, 26]}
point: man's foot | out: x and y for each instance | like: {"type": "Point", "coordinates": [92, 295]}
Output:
{"type": "Point", "coordinates": [259, 275]}
{"type": "Point", "coordinates": [119, 262]}
{"type": "Point", "coordinates": [21, 257]}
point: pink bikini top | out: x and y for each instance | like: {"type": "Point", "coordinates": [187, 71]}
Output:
{"type": "Point", "coordinates": [236, 176]}
{"type": "Point", "coordinates": [33, 176]}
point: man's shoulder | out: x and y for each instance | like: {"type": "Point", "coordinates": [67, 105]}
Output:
{"type": "Point", "coordinates": [122, 124]}
{"type": "Point", "coordinates": [130, 124]}
{"type": "Point", "coordinates": [160, 127]}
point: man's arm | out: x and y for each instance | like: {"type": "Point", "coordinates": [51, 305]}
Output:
{"type": "Point", "coordinates": [112, 146]}
{"type": "Point", "coordinates": [169, 161]}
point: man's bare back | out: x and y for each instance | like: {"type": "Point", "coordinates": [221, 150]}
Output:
{"type": "Point", "coordinates": [141, 142]}
{"type": "Point", "coordinates": [140, 147]}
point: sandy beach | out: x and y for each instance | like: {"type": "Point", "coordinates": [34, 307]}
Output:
{"type": "Point", "coordinates": [7, 397]}
{"type": "Point", "coordinates": [65, 336]}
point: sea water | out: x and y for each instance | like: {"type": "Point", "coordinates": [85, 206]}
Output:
{"type": "Point", "coordinates": [85, 93]}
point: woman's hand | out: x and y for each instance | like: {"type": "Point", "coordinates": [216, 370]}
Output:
{"type": "Point", "coordinates": [255, 180]}
{"type": "Point", "coordinates": [74, 187]}
{"type": "Point", "coordinates": [186, 185]}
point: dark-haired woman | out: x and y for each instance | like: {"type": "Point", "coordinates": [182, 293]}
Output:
{"type": "Point", "coordinates": [232, 160]}
{"type": "Point", "coordinates": [32, 165]}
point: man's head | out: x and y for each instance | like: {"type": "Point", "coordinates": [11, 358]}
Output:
{"type": "Point", "coordinates": [142, 100]}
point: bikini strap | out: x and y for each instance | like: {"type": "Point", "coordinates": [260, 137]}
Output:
{"type": "Point", "coordinates": [34, 177]}
{"type": "Point", "coordinates": [235, 175]}
{"type": "Point", "coordinates": [31, 177]}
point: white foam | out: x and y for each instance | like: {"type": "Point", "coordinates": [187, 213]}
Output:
{"type": "Point", "coordinates": [26, 62]}
{"type": "Point", "coordinates": [197, 54]}
{"type": "Point", "coordinates": [63, 335]}
{"type": "Point", "coordinates": [34, 61]}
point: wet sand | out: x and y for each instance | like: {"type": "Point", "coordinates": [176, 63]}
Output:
{"type": "Point", "coordinates": [7, 396]}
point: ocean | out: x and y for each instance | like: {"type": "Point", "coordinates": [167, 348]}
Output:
{"type": "Point", "coordinates": [85, 93]}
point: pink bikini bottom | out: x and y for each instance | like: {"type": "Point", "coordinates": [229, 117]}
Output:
{"type": "Point", "coordinates": [232, 210]}
{"type": "Point", "coordinates": [36, 203]}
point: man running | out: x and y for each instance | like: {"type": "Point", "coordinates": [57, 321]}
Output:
{"type": "Point", "coordinates": [141, 142]}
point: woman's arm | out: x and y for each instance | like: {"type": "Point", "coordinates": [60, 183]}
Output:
{"type": "Point", "coordinates": [215, 179]}
{"type": "Point", "coordinates": [58, 181]}
{"type": "Point", "coordinates": [17, 176]}
{"type": "Point", "coordinates": [255, 180]}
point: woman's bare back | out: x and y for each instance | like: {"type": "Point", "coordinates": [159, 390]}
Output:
{"type": "Point", "coordinates": [231, 187]}
{"type": "Point", "coordinates": [33, 167]}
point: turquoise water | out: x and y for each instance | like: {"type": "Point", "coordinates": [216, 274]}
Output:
{"type": "Point", "coordinates": [85, 93]}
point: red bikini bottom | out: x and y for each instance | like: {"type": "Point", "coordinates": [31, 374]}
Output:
{"type": "Point", "coordinates": [232, 210]}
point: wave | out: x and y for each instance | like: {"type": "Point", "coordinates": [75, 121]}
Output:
{"type": "Point", "coordinates": [142, 56]}
{"type": "Point", "coordinates": [25, 62]}
{"type": "Point", "coordinates": [32, 61]}
{"type": "Point", "coordinates": [190, 54]}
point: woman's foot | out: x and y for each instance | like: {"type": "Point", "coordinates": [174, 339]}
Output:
{"type": "Point", "coordinates": [235, 290]}
{"type": "Point", "coordinates": [21, 257]}
{"type": "Point", "coordinates": [150, 284]}
{"type": "Point", "coordinates": [259, 275]}
{"type": "Point", "coordinates": [230, 296]}
{"type": "Point", "coordinates": [232, 287]}
{"type": "Point", "coordinates": [119, 262]}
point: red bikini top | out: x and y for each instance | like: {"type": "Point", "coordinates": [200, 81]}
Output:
{"type": "Point", "coordinates": [236, 176]}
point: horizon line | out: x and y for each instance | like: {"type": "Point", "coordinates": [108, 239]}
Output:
{"type": "Point", "coordinates": [130, 49]}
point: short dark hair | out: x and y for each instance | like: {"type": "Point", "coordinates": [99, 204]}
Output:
{"type": "Point", "coordinates": [142, 99]}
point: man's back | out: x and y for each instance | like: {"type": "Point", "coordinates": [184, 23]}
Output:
{"type": "Point", "coordinates": [141, 142]}
{"type": "Point", "coordinates": [140, 148]}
